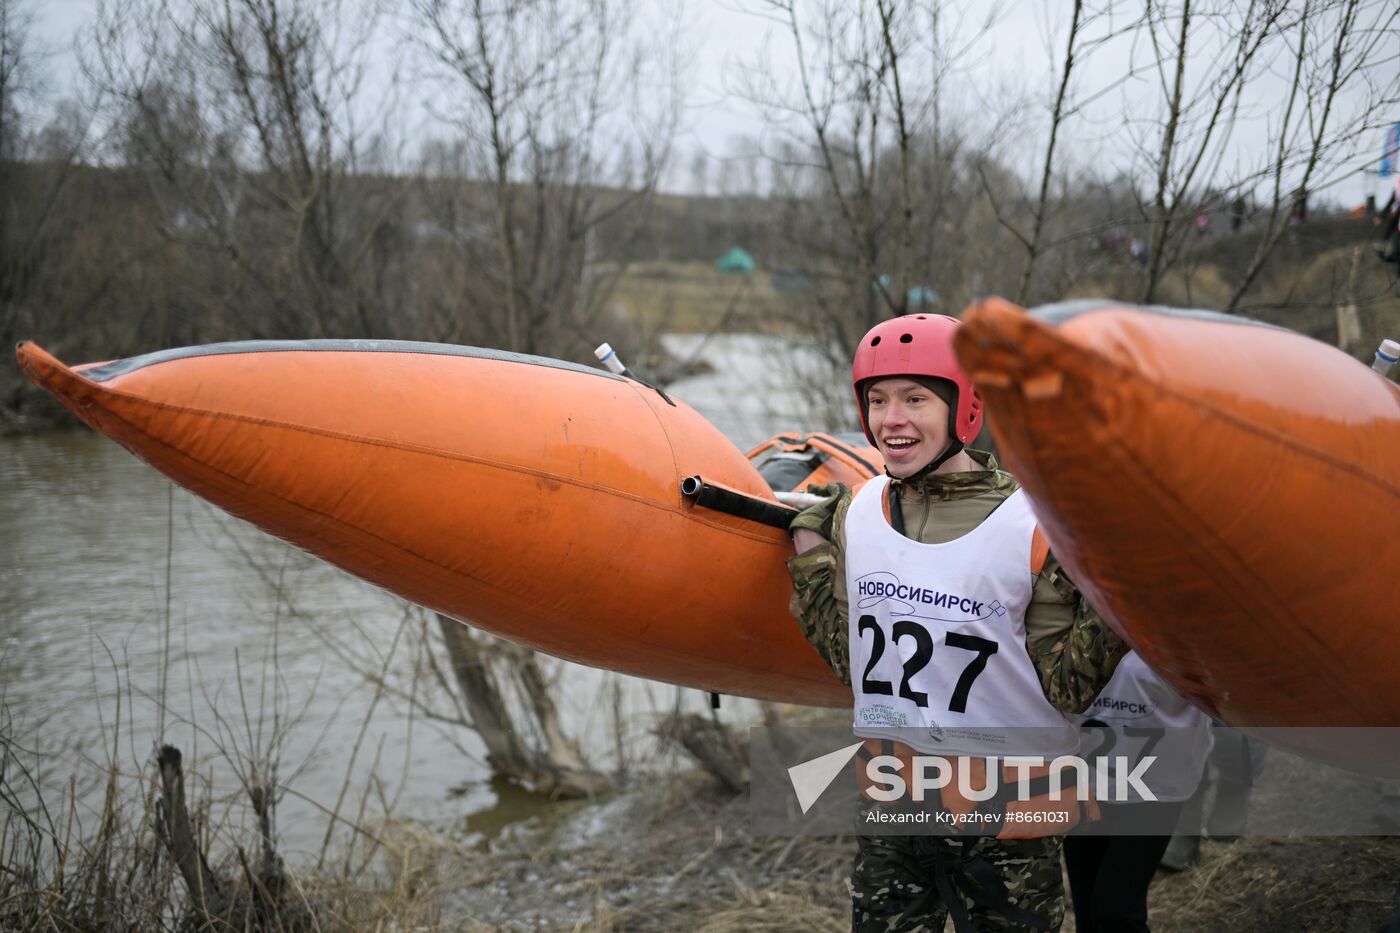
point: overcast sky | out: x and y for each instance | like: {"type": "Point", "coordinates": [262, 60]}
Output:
{"type": "Point", "coordinates": [1014, 62]}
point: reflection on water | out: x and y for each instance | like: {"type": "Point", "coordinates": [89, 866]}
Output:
{"type": "Point", "coordinates": [515, 809]}
{"type": "Point", "coordinates": [758, 386]}
{"type": "Point", "coordinates": [126, 603]}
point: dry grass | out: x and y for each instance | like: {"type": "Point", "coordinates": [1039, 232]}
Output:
{"type": "Point", "coordinates": [784, 906]}
{"type": "Point", "coordinates": [674, 852]}
{"type": "Point", "coordinates": [1319, 884]}
{"type": "Point", "coordinates": [693, 297]}
{"type": "Point", "coordinates": [678, 854]}
{"type": "Point", "coordinates": [121, 875]}
{"type": "Point", "coordinates": [1313, 272]}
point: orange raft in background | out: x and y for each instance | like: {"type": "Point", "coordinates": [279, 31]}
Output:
{"type": "Point", "coordinates": [535, 499]}
{"type": "Point", "coordinates": [1226, 493]}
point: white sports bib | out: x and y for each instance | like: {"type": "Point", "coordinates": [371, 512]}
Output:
{"type": "Point", "coordinates": [1140, 714]}
{"type": "Point", "coordinates": [938, 636]}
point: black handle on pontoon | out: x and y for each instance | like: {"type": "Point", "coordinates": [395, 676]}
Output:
{"type": "Point", "coordinates": [730, 502]}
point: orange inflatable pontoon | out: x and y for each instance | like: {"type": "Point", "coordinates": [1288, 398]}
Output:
{"type": "Point", "coordinates": [1227, 493]}
{"type": "Point", "coordinates": [1224, 492]}
{"type": "Point", "coordinates": [538, 500]}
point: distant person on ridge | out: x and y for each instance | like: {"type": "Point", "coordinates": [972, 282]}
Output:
{"type": "Point", "coordinates": [945, 520]}
{"type": "Point", "coordinates": [1237, 211]}
{"type": "Point", "coordinates": [1388, 220]}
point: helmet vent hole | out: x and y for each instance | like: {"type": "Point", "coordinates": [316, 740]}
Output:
{"type": "Point", "coordinates": [875, 342]}
{"type": "Point", "coordinates": [906, 338]}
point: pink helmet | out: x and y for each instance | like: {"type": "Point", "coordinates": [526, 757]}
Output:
{"type": "Point", "coordinates": [918, 345]}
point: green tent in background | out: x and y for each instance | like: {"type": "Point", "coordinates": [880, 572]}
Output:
{"type": "Point", "coordinates": [736, 260]}
{"type": "Point", "coordinates": [921, 298]}
{"type": "Point", "coordinates": [918, 298]}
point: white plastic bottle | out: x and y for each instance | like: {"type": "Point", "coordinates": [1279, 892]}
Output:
{"type": "Point", "coordinates": [1386, 355]}
{"type": "Point", "coordinates": [609, 358]}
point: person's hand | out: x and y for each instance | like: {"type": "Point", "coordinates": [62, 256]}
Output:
{"type": "Point", "coordinates": [804, 539]}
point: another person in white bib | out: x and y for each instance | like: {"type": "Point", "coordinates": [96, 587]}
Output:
{"type": "Point", "coordinates": [1137, 719]}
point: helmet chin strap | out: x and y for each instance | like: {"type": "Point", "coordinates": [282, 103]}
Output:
{"type": "Point", "coordinates": [954, 448]}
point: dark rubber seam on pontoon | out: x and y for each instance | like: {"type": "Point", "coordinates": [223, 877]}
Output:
{"type": "Point", "coordinates": [1063, 311]}
{"type": "Point", "coordinates": [131, 364]}
{"type": "Point", "coordinates": [399, 446]}
{"type": "Point", "coordinates": [848, 451]}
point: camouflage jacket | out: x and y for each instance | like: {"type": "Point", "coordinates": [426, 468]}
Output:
{"type": "Point", "coordinates": [1073, 650]}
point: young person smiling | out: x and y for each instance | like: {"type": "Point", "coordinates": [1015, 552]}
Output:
{"type": "Point", "coordinates": [945, 519]}
{"type": "Point", "coordinates": [909, 419]}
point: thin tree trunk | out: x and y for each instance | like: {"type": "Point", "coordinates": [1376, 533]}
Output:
{"type": "Point", "coordinates": [906, 198]}
{"type": "Point", "coordinates": [562, 750]}
{"type": "Point", "coordinates": [504, 751]}
{"type": "Point", "coordinates": [557, 770]}
{"type": "Point", "coordinates": [1161, 215]}
{"type": "Point", "coordinates": [1033, 248]}
{"type": "Point", "coordinates": [205, 890]}
{"type": "Point", "coordinates": [711, 744]}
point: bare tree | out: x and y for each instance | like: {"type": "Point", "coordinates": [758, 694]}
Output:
{"type": "Point", "coordinates": [877, 149]}
{"type": "Point", "coordinates": [1081, 42]}
{"type": "Point", "coordinates": [17, 73]}
{"type": "Point", "coordinates": [554, 765]}
{"type": "Point", "coordinates": [565, 115]}
{"type": "Point", "coordinates": [41, 233]}
{"type": "Point", "coordinates": [1057, 117]}
{"type": "Point", "coordinates": [1337, 46]}
{"type": "Point", "coordinates": [243, 117]}
{"type": "Point", "coordinates": [849, 80]}
{"type": "Point", "coordinates": [1198, 117]}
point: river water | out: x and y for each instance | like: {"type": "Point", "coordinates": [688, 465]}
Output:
{"type": "Point", "coordinates": [133, 613]}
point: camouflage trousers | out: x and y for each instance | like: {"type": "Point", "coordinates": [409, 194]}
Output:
{"type": "Point", "coordinates": [903, 884]}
